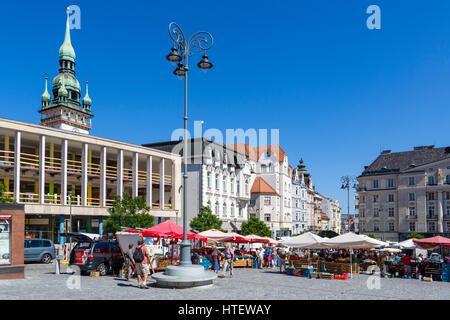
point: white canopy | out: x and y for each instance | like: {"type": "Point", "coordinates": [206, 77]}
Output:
{"type": "Point", "coordinates": [407, 244]}
{"type": "Point", "coordinates": [307, 240]}
{"type": "Point", "coordinates": [351, 240]}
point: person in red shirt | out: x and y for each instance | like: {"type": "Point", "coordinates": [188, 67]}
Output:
{"type": "Point", "coordinates": [407, 264]}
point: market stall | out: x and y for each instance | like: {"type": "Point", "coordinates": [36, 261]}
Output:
{"type": "Point", "coordinates": [434, 270]}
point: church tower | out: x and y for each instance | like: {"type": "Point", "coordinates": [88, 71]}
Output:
{"type": "Point", "coordinates": [65, 110]}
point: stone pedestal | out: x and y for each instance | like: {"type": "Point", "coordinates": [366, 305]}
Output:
{"type": "Point", "coordinates": [184, 277]}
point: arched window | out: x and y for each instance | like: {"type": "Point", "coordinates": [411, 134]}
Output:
{"type": "Point", "coordinates": [232, 210]}
{"type": "Point", "coordinates": [224, 209]}
{"type": "Point", "coordinates": [431, 180]}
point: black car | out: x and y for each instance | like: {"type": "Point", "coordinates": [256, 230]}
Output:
{"type": "Point", "coordinates": [103, 255]}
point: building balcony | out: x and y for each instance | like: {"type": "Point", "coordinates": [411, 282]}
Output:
{"type": "Point", "coordinates": [432, 217]}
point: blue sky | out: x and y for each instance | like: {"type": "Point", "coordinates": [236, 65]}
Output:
{"type": "Point", "coordinates": [338, 92]}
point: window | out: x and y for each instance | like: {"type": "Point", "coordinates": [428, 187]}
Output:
{"type": "Point", "coordinates": [363, 199]}
{"type": "Point", "coordinates": [412, 211]}
{"type": "Point", "coordinates": [224, 210]}
{"type": "Point", "coordinates": [224, 184]}
{"type": "Point", "coordinates": [237, 187]}
{"type": "Point", "coordinates": [209, 180]}
{"type": "Point", "coordinates": [232, 210]}
{"type": "Point", "coordinates": [232, 185]}
{"type": "Point", "coordinates": [240, 211]}
{"type": "Point", "coordinates": [375, 198]}
{"type": "Point", "coordinates": [431, 227]}
{"type": "Point", "coordinates": [431, 180]}
{"type": "Point", "coordinates": [412, 226]}
{"type": "Point", "coordinates": [263, 168]}
{"type": "Point", "coordinates": [267, 217]}
{"type": "Point", "coordinates": [246, 187]}
{"type": "Point", "coordinates": [217, 209]}
{"type": "Point", "coordinates": [431, 212]}
{"type": "Point", "coordinates": [217, 182]}
{"type": "Point", "coordinates": [391, 198]}
{"type": "Point", "coordinates": [252, 202]}
{"type": "Point", "coordinates": [270, 167]}
{"type": "Point", "coordinates": [391, 212]}
{"type": "Point", "coordinates": [448, 226]}
{"type": "Point", "coordinates": [390, 183]}
{"type": "Point", "coordinates": [412, 181]}
{"type": "Point", "coordinates": [376, 212]}
{"type": "Point", "coordinates": [430, 196]}
{"type": "Point", "coordinates": [376, 227]}
{"type": "Point", "coordinates": [391, 226]}
{"type": "Point", "coordinates": [361, 212]}
{"type": "Point", "coordinates": [412, 197]}
{"type": "Point", "coordinates": [267, 201]}
{"type": "Point", "coordinates": [447, 179]}
{"type": "Point", "coordinates": [375, 184]}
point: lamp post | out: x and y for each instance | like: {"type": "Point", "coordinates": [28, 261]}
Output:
{"type": "Point", "coordinates": [180, 52]}
{"type": "Point", "coordinates": [346, 182]}
{"type": "Point", "coordinates": [70, 219]}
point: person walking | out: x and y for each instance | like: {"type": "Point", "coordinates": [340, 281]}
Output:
{"type": "Point", "coordinates": [261, 258]}
{"type": "Point", "coordinates": [282, 257]}
{"type": "Point", "coordinates": [274, 258]}
{"type": "Point", "coordinates": [229, 257]}
{"type": "Point", "coordinates": [267, 257]}
{"type": "Point", "coordinates": [215, 259]}
{"type": "Point", "coordinates": [141, 257]}
{"type": "Point", "coordinates": [129, 261]}
{"type": "Point", "coordinates": [407, 264]}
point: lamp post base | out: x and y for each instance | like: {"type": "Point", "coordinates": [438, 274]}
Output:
{"type": "Point", "coordinates": [184, 277]}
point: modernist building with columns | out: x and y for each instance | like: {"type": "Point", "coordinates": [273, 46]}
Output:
{"type": "Point", "coordinates": [56, 167]}
{"type": "Point", "coordinates": [405, 192]}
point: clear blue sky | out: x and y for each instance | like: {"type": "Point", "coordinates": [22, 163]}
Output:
{"type": "Point", "coordinates": [338, 92]}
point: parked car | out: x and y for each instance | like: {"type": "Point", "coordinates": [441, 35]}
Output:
{"type": "Point", "coordinates": [102, 255]}
{"type": "Point", "coordinates": [42, 250]}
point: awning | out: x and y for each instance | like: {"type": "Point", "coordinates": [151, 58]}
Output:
{"type": "Point", "coordinates": [306, 240]}
{"type": "Point", "coordinates": [433, 243]}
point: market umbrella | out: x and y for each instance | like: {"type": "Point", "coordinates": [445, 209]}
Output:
{"type": "Point", "coordinates": [352, 241]}
{"type": "Point", "coordinates": [168, 229]}
{"type": "Point", "coordinates": [214, 235]}
{"type": "Point", "coordinates": [272, 241]}
{"type": "Point", "coordinates": [306, 240]}
{"type": "Point", "coordinates": [433, 243]}
{"type": "Point", "coordinates": [253, 238]}
{"type": "Point", "coordinates": [407, 244]}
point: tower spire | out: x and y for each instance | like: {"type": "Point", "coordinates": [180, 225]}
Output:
{"type": "Point", "coordinates": [87, 100]}
{"type": "Point", "coordinates": [66, 51]}
{"type": "Point", "coordinates": [45, 98]}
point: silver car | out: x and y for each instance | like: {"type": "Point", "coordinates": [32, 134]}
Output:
{"type": "Point", "coordinates": [42, 250]}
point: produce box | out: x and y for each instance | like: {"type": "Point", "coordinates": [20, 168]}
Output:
{"type": "Point", "coordinates": [427, 279]}
{"type": "Point", "coordinates": [315, 275]}
{"type": "Point", "coordinates": [94, 274]}
{"type": "Point", "coordinates": [326, 275]}
{"type": "Point", "coordinates": [306, 273]}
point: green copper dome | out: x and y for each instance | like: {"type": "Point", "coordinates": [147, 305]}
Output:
{"type": "Point", "coordinates": [69, 81]}
{"type": "Point", "coordinates": [45, 96]}
{"type": "Point", "coordinates": [66, 51]}
{"type": "Point", "coordinates": [62, 92]}
{"type": "Point", "coordinates": [87, 100]}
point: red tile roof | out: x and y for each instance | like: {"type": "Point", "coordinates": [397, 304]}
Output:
{"type": "Point", "coordinates": [254, 153]}
{"type": "Point", "coordinates": [261, 186]}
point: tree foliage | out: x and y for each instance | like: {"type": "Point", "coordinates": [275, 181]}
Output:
{"type": "Point", "coordinates": [5, 198]}
{"type": "Point", "coordinates": [255, 226]}
{"type": "Point", "coordinates": [205, 221]}
{"type": "Point", "coordinates": [129, 212]}
{"type": "Point", "coordinates": [327, 234]}
{"type": "Point", "coordinates": [371, 235]}
{"type": "Point", "coordinates": [415, 235]}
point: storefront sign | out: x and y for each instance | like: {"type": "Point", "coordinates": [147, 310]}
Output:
{"type": "Point", "coordinates": [5, 240]}
{"type": "Point", "coordinates": [94, 223]}
{"type": "Point", "coordinates": [36, 221]}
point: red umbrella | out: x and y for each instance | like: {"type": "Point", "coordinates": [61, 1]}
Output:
{"type": "Point", "coordinates": [168, 229]}
{"type": "Point", "coordinates": [234, 237]}
{"type": "Point", "coordinates": [253, 238]}
{"type": "Point", "coordinates": [434, 242]}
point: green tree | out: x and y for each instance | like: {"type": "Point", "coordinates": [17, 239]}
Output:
{"type": "Point", "coordinates": [255, 226]}
{"type": "Point", "coordinates": [5, 198]}
{"type": "Point", "coordinates": [205, 221]}
{"type": "Point", "coordinates": [415, 235]}
{"type": "Point", "coordinates": [129, 212]}
{"type": "Point", "coordinates": [371, 235]}
{"type": "Point", "coordinates": [327, 234]}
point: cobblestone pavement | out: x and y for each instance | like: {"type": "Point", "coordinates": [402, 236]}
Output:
{"type": "Point", "coordinates": [42, 283]}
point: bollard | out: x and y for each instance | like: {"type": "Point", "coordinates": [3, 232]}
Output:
{"type": "Point", "coordinates": [58, 265]}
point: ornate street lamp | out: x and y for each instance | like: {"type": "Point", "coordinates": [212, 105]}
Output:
{"type": "Point", "coordinates": [186, 274]}
{"type": "Point", "coordinates": [346, 182]}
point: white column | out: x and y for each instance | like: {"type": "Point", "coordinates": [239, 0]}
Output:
{"type": "Point", "coordinates": [135, 174]}
{"type": "Point", "coordinates": [149, 181]}
{"type": "Point", "coordinates": [17, 144]}
{"type": "Point", "coordinates": [42, 169]}
{"type": "Point", "coordinates": [84, 174]}
{"type": "Point", "coordinates": [103, 177]}
{"type": "Point", "coordinates": [64, 149]}
{"type": "Point", "coordinates": [440, 207]}
{"type": "Point", "coordinates": [161, 184]}
{"type": "Point", "coordinates": [120, 173]}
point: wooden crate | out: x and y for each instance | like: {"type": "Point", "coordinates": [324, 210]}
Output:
{"type": "Point", "coordinates": [94, 274]}
{"type": "Point", "coordinates": [428, 279]}
{"type": "Point", "coordinates": [315, 275]}
{"type": "Point", "coordinates": [326, 275]}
